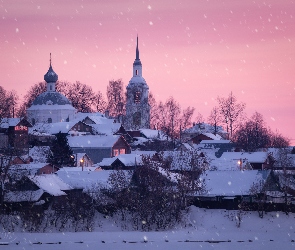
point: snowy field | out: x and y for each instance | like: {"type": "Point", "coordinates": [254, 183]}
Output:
{"type": "Point", "coordinates": [209, 229]}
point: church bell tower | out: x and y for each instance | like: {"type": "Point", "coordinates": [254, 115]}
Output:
{"type": "Point", "coordinates": [137, 105]}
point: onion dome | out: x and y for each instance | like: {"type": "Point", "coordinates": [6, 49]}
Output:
{"type": "Point", "coordinates": [50, 76]}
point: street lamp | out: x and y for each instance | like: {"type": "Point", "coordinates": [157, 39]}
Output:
{"type": "Point", "coordinates": [82, 163]}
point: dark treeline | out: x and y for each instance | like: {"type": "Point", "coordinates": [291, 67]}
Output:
{"type": "Point", "coordinates": [249, 133]}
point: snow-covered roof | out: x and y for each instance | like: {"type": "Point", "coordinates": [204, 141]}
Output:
{"type": "Point", "coordinates": [85, 180]}
{"type": "Point", "coordinates": [51, 184]}
{"type": "Point", "coordinates": [21, 196]}
{"type": "Point", "coordinates": [51, 98]}
{"type": "Point", "coordinates": [100, 119]}
{"type": "Point", "coordinates": [135, 80]}
{"type": "Point", "coordinates": [126, 159]}
{"type": "Point", "coordinates": [82, 116]}
{"type": "Point", "coordinates": [92, 141]}
{"type": "Point", "coordinates": [212, 136]}
{"type": "Point", "coordinates": [254, 157]}
{"type": "Point", "coordinates": [153, 134]}
{"type": "Point", "coordinates": [106, 128]}
{"type": "Point", "coordinates": [53, 128]}
{"type": "Point", "coordinates": [232, 183]}
{"type": "Point", "coordinates": [9, 122]}
{"type": "Point", "coordinates": [215, 141]}
{"type": "Point", "coordinates": [20, 170]}
{"type": "Point", "coordinates": [39, 153]}
{"type": "Point", "coordinates": [204, 128]}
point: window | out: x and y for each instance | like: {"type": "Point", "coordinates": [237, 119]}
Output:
{"type": "Point", "coordinates": [116, 152]}
{"type": "Point", "coordinates": [33, 121]}
{"type": "Point", "coordinates": [50, 87]}
{"type": "Point", "coordinates": [136, 72]}
{"type": "Point", "coordinates": [49, 120]}
{"type": "Point", "coordinates": [137, 97]}
{"type": "Point", "coordinates": [120, 151]}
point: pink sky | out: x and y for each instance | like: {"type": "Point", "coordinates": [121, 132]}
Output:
{"type": "Point", "coordinates": [193, 50]}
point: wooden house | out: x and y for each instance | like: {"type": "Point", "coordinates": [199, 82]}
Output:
{"type": "Point", "coordinates": [98, 147]}
{"type": "Point", "coordinates": [14, 133]}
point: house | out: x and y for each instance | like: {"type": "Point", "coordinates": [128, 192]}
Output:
{"type": "Point", "coordinates": [242, 160]}
{"type": "Point", "coordinates": [124, 162]}
{"type": "Point", "coordinates": [47, 169]}
{"type": "Point", "coordinates": [98, 147]}
{"type": "Point", "coordinates": [14, 133]}
{"type": "Point", "coordinates": [33, 190]}
{"type": "Point", "coordinates": [24, 200]}
{"type": "Point", "coordinates": [199, 128]}
{"type": "Point", "coordinates": [227, 189]}
{"type": "Point", "coordinates": [82, 160]}
{"type": "Point", "coordinates": [73, 127]}
{"type": "Point", "coordinates": [204, 136]}
{"type": "Point", "coordinates": [39, 154]}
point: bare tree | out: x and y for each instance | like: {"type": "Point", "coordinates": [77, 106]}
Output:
{"type": "Point", "coordinates": [278, 140]}
{"type": "Point", "coordinates": [115, 98]}
{"type": "Point", "coordinates": [99, 103]}
{"type": "Point", "coordinates": [153, 111]}
{"type": "Point", "coordinates": [81, 96]}
{"type": "Point", "coordinates": [285, 162]}
{"type": "Point", "coordinates": [253, 134]}
{"type": "Point", "coordinates": [8, 102]}
{"type": "Point", "coordinates": [215, 119]}
{"type": "Point", "coordinates": [30, 96]}
{"type": "Point", "coordinates": [258, 191]}
{"type": "Point", "coordinates": [231, 111]}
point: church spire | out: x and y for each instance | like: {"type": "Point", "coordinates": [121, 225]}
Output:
{"type": "Point", "coordinates": [137, 60]}
{"type": "Point", "coordinates": [50, 61]}
{"type": "Point", "coordinates": [137, 51]}
{"type": "Point", "coordinates": [50, 77]}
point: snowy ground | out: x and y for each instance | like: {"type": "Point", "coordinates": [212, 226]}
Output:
{"type": "Point", "coordinates": [211, 229]}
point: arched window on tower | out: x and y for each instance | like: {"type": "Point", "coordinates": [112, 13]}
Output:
{"type": "Point", "coordinates": [136, 72]}
{"type": "Point", "coordinates": [50, 87]}
{"type": "Point", "coordinates": [137, 97]}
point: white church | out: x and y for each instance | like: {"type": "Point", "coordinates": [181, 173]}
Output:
{"type": "Point", "coordinates": [51, 106]}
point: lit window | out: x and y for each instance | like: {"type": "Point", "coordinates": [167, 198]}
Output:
{"type": "Point", "coordinates": [116, 152]}
{"type": "Point", "coordinates": [122, 151]}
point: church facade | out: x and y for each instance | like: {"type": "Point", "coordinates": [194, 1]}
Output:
{"type": "Point", "coordinates": [137, 104]}
{"type": "Point", "coordinates": [50, 106]}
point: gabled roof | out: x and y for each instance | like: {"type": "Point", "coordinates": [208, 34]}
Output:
{"type": "Point", "coordinates": [214, 141]}
{"type": "Point", "coordinates": [51, 184]}
{"type": "Point", "coordinates": [126, 159]}
{"type": "Point", "coordinates": [22, 196]}
{"type": "Point", "coordinates": [153, 134]}
{"type": "Point", "coordinates": [232, 183]}
{"type": "Point", "coordinates": [254, 157]}
{"type": "Point", "coordinates": [39, 153]}
{"type": "Point", "coordinates": [93, 141]}
{"type": "Point", "coordinates": [12, 122]}
{"type": "Point", "coordinates": [53, 128]}
{"type": "Point", "coordinates": [86, 179]}
{"type": "Point", "coordinates": [212, 136]}
{"type": "Point", "coordinates": [106, 129]}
